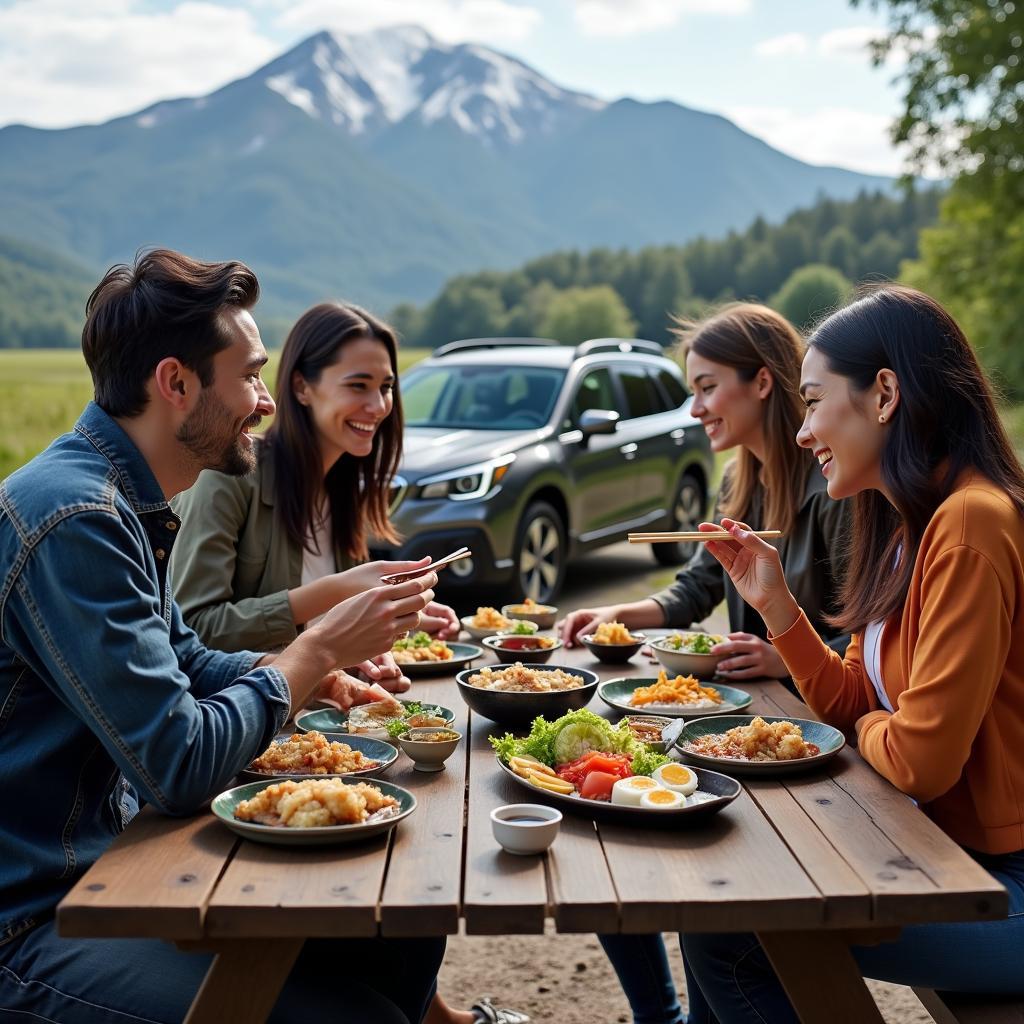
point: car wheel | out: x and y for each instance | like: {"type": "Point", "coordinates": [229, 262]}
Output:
{"type": "Point", "coordinates": [687, 514]}
{"type": "Point", "coordinates": [540, 554]}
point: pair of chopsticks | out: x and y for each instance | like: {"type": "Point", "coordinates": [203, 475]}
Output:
{"type": "Point", "coordinates": [411, 574]}
{"type": "Point", "coordinates": [687, 536]}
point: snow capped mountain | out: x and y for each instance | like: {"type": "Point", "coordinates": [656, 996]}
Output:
{"type": "Point", "coordinates": [367, 82]}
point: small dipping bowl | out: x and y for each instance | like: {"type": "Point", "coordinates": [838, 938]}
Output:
{"type": "Point", "coordinates": [526, 649]}
{"type": "Point", "coordinates": [429, 755]}
{"type": "Point", "coordinates": [524, 829]}
{"type": "Point", "coordinates": [614, 654]}
{"type": "Point", "coordinates": [649, 725]}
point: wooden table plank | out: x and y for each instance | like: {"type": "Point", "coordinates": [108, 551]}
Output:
{"type": "Point", "coordinates": [848, 899]}
{"type": "Point", "coordinates": [299, 891]}
{"type": "Point", "coordinates": [502, 893]}
{"type": "Point", "coordinates": [904, 857]}
{"type": "Point", "coordinates": [731, 873]}
{"type": "Point", "coordinates": [423, 890]}
{"type": "Point", "coordinates": [153, 882]}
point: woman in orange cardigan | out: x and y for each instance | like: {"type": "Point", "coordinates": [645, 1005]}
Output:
{"type": "Point", "coordinates": [899, 414]}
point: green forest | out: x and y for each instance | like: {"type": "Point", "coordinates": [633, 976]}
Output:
{"type": "Point", "coordinates": [805, 266]}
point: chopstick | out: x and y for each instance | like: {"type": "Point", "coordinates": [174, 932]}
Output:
{"type": "Point", "coordinates": [411, 574]}
{"type": "Point", "coordinates": [693, 535]}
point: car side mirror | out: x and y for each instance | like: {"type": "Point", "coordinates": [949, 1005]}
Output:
{"type": "Point", "coordinates": [598, 421]}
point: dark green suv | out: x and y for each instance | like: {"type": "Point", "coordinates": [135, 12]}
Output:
{"type": "Point", "coordinates": [530, 453]}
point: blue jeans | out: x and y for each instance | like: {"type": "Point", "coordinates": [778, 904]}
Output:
{"type": "Point", "coordinates": [641, 963]}
{"type": "Point", "coordinates": [125, 981]}
{"type": "Point", "coordinates": [740, 985]}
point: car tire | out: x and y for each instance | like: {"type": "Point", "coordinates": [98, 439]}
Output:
{"type": "Point", "coordinates": [540, 554]}
{"type": "Point", "coordinates": [688, 509]}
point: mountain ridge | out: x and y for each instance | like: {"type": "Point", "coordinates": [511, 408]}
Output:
{"type": "Point", "coordinates": [377, 166]}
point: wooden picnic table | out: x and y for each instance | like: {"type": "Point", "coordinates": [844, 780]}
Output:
{"type": "Point", "coordinates": [808, 862]}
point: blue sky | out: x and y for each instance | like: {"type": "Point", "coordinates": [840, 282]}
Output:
{"type": "Point", "coordinates": [794, 72]}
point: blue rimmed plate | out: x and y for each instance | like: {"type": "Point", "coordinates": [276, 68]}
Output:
{"type": "Point", "coordinates": [616, 693]}
{"type": "Point", "coordinates": [828, 739]}
{"type": "Point", "coordinates": [382, 753]}
{"type": "Point", "coordinates": [223, 806]}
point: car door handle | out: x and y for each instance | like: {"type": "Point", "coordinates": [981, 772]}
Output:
{"type": "Point", "coordinates": [678, 435]}
{"type": "Point", "coordinates": [629, 450]}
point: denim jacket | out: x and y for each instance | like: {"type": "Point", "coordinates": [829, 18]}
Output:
{"type": "Point", "coordinates": [106, 696]}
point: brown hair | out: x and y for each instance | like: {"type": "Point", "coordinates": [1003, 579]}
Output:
{"type": "Point", "coordinates": [945, 423]}
{"type": "Point", "coordinates": [167, 305]}
{"type": "Point", "coordinates": [357, 488]}
{"type": "Point", "coordinates": [747, 337]}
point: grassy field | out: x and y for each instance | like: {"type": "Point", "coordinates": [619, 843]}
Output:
{"type": "Point", "coordinates": [42, 391]}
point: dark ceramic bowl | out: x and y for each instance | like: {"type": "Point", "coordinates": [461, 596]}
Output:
{"type": "Point", "coordinates": [614, 654]}
{"type": "Point", "coordinates": [523, 708]}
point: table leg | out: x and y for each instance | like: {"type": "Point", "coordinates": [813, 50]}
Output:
{"type": "Point", "coordinates": [821, 978]}
{"type": "Point", "coordinates": [244, 981]}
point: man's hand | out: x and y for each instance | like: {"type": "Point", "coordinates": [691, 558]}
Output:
{"type": "Point", "coordinates": [345, 691]}
{"type": "Point", "coordinates": [386, 672]}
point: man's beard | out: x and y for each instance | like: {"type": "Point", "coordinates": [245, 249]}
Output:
{"type": "Point", "coordinates": [212, 439]}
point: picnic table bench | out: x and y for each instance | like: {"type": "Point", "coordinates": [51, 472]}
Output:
{"type": "Point", "coordinates": [811, 863]}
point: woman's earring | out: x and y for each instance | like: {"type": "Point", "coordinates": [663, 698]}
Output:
{"type": "Point", "coordinates": [881, 419]}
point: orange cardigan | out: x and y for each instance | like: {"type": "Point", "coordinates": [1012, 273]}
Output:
{"type": "Point", "coordinates": [953, 669]}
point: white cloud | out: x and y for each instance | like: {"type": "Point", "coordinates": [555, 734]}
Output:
{"type": "Point", "coordinates": [788, 45]}
{"type": "Point", "coordinates": [481, 21]}
{"type": "Point", "coordinates": [628, 17]}
{"type": "Point", "coordinates": [831, 135]}
{"type": "Point", "coordinates": [64, 62]}
{"type": "Point", "coordinates": [848, 42]}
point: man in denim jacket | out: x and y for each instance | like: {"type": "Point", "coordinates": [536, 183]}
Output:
{"type": "Point", "coordinates": [106, 696]}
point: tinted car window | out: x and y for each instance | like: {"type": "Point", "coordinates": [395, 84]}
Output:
{"type": "Point", "coordinates": [642, 398]}
{"type": "Point", "coordinates": [595, 391]}
{"type": "Point", "coordinates": [481, 397]}
{"type": "Point", "coordinates": [673, 388]}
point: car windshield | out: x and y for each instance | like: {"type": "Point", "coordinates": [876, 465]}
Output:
{"type": "Point", "coordinates": [480, 397]}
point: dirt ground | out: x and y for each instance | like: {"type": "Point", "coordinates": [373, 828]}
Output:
{"type": "Point", "coordinates": [566, 979]}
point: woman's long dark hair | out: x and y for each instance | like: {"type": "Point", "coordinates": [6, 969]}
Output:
{"type": "Point", "coordinates": [945, 423]}
{"type": "Point", "coordinates": [746, 337]}
{"type": "Point", "coordinates": [357, 488]}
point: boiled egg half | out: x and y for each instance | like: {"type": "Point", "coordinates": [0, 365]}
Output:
{"type": "Point", "coordinates": [628, 792]}
{"type": "Point", "coordinates": [662, 799]}
{"type": "Point", "coordinates": [676, 777]}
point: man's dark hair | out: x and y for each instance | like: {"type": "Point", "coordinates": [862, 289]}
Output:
{"type": "Point", "coordinates": [167, 305]}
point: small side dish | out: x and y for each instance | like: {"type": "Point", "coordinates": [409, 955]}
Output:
{"type": "Point", "coordinates": [316, 803]}
{"type": "Point", "coordinates": [690, 643]}
{"type": "Point", "coordinates": [612, 633]}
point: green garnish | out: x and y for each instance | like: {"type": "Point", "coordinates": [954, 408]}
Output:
{"type": "Point", "coordinates": [419, 639]}
{"type": "Point", "coordinates": [523, 627]}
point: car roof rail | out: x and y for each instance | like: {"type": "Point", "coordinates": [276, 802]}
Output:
{"type": "Point", "coordinates": [468, 344]}
{"type": "Point", "coordinates": [619, 345]}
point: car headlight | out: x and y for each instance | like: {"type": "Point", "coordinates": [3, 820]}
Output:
{"type": "Point", "coordinates": [468, 482]}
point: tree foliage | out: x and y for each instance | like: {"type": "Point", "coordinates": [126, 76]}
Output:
{"type": "Point", "coordinates": [866, 237]}
{"type": "Point", "coordinates": [963, 111]}
{"type": "Point", "coordinates": [810, 294]}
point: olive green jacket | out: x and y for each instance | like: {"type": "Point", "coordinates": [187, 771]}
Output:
{"type": "Point", "coordinates": [233, 563]}
{"type": "Point", "coordinates": [812, 558]}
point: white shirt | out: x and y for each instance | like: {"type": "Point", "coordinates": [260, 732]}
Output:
{"type": "Point", "coordinates": [316, 566]}
{"type": "Point", "coordinates": [872, 655]}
